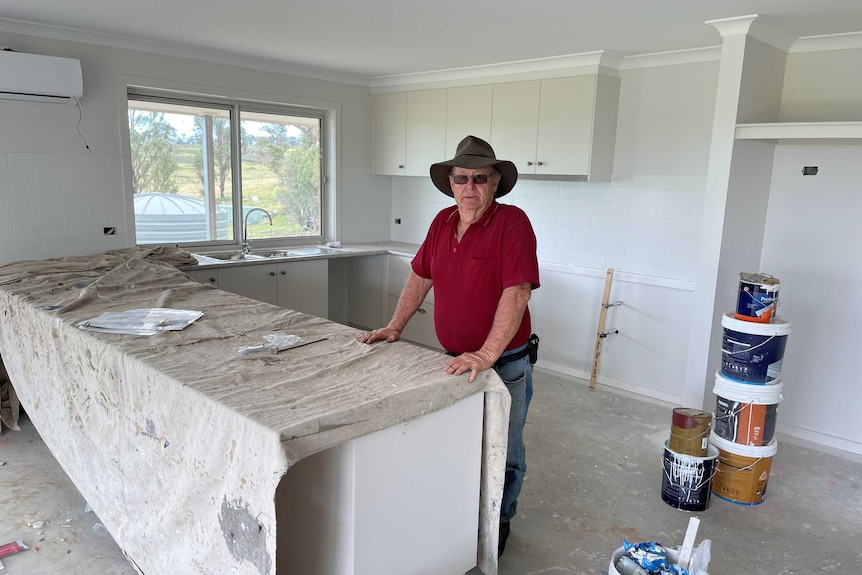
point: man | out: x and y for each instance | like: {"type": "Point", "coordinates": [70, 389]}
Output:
{"type": "Point", "coordinates": [480, 257]}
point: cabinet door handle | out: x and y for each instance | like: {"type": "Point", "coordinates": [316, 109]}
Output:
{"type": "Point", "coordinates": [212, 280]}
{"type": "Point", "coordinates": [529, 163]}
{"type": "Point", "coordinates": [421, 310]}
{"type": "Point", "coordinates": [540, 163]}
{"type": "Point", "coordinates": [272, 273]}
{"type": "Point", "coordinates": [400, 166]}
{"type": "Point", "coordinates": [284, 273]}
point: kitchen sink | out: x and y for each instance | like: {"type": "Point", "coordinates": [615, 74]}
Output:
{"type": "Point", "coordinates": [294, 252]}
{"type": "Point", "coordinates": [272, 254]}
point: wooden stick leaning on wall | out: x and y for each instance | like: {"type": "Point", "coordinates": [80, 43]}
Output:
{"type": "Point", "coordinates": [600, 332]}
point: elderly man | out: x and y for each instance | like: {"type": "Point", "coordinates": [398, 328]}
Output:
{"type": "Point", "coordinates": [480, 258]}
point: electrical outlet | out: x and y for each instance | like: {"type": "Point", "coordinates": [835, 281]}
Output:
{"type": "Point", "coordinates": [397, 220]}
{"type": "Point", "coordinates": [109, 231]}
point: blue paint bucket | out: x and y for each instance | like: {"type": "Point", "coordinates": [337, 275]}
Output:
{"type": "Point", "coordinates": [758, 297]}
{"type": "Point", "coordinates": [752, 352]}
{"type": "Point", "coordinates": [687, 481]}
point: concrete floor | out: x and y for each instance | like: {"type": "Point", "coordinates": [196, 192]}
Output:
{"type": "Point", "coordinates": [594, 478]}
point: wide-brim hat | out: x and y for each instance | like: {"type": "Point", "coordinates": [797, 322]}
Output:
{"type": "Point", "coordinates": [473, 153]}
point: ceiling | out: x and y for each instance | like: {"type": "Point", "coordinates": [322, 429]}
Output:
{"type": "Point", "coordinates": [374, 38]}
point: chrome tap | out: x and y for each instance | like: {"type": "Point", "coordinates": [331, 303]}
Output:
{"type": "Point", "coordinates": [246, 243]}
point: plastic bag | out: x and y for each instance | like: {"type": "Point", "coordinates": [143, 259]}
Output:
{"type": "Point", "coordinates": [274, 343]}
{"type": "Point", "coordinates": [700, 558]}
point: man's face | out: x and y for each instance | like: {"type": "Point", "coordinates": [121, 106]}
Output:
{"type": "Point", "coordinates": [471, 195]}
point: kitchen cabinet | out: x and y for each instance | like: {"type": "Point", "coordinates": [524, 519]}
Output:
{"type": "Point", "coordinates": [303, 286]}
{"type": "Point", "coordinates": [257, 281]}
{"type": "Point", "coordinates": [409, 132]}
{"type": "Point", "coordinates": [208, 275]}
{"type": "Point", "coordinates": [365, 284]}
{"type": "Point", "coordinates": [388, 133]}
{"type": "Point", "coordinates": [299, 285]}
{"type": "Point", "coordinates": [426, 130]}
{"type": "Point", "coordinates": [468, 113]}
{"type": "Point", "coordinates": [420, 328]}
{"type": "Point", "coordinates": [558, 126]}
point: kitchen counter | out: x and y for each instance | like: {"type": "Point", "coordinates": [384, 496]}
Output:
{"type": "Point", "coordinates": [179, 443]}
{"type": "Point", "coordinates": [345, 251]}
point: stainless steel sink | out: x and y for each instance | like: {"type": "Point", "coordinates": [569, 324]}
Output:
{"type": "Point", "coordinates": [234, 256]}
{"type": "Point", "coordinates": [295, 252]}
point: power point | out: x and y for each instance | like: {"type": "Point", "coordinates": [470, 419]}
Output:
{"type": "Point", "coordinates": [397, 220]}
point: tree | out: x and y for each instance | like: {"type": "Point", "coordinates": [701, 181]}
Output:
{"type": "Point", "coordinates": [296, 162]}
{"type": "Point", "coordinates": [220, 152]}
{"type": "Point", "coordinates": [153, 163]}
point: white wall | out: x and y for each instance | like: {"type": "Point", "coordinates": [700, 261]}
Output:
{"type": "Point", "coordinates": [55, 197]}
{"type": "Point", "coordinates": [644, 224]}
{"type": "Point", "coordinates": [811, 237]}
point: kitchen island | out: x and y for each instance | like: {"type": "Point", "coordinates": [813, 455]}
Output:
{"type": "Point", "coordinates": [186, 448]}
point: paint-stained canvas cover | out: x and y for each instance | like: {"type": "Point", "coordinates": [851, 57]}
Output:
{"type": "Point", "coordinates": [179, 442]}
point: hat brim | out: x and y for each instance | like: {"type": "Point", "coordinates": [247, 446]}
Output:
{"type": "Point", "coordinates": [508, 173]}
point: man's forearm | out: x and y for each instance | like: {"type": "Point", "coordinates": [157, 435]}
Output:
{"type": "Point", "coordinates": [507, 319]}
{"type": "Point", "coordinates": [411, 299]}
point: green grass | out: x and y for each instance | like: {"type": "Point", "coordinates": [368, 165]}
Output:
{"type": "Point", "coordinates": [257, 181]}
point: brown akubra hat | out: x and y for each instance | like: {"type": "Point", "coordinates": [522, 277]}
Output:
{"type": "Point", "coordinates": [475, 153]}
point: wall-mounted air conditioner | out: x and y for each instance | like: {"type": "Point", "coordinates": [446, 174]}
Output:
{"type": "Point", "coordinates": [37, 78]}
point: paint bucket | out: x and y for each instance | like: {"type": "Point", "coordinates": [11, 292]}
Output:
{"type": "Point", "coordinates": [687, 479]}
{"type": "Point", "coordinates": [758, 297]}
{"type": "Point", "coordinates": [672, 556]}
{"type": "Point", "coordinates": [689, 431]}
{"type": "Point", "coordinates": [752, 352]}
{"type": "Point", "coordinates": [745, 414]}
{"type": "Point", "coordinates": [743, 471]}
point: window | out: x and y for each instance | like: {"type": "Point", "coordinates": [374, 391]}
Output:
{"type": "Point", "coordinates": [204, 171]}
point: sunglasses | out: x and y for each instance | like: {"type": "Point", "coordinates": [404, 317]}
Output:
{"type": "Point", "coordinates": [462, 179]}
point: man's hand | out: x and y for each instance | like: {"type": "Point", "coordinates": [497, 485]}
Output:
{"type": "Point", "coordinates": [473, 362]}
{"type": "Point", "coordinates": [389, 333]}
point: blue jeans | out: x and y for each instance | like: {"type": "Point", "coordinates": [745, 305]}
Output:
{"type": "Point", "coordinates": [518, 377]}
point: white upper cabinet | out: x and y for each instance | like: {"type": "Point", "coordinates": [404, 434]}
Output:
{"type": "Point", "coordinates": [388, 134]}
{"type": "Point", "coordinates": [426, 130]}
{"type": "Point", "coordinates": [408, 132]}
{"type": "Point", "coordinates": [468, 113]}
{"type": "Point", "coordinates": [562, 127]}
{"type": "Point", "coordinates": [515, 123]}
{"type": "Point", "coordinates": [557, 127]}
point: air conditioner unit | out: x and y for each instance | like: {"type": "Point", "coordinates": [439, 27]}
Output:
{"type": "Point", "coordinates": [37, 78]}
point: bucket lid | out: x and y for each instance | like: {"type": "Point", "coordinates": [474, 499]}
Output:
{"type": "Point", "coordinates": [779, 325]}
{"type": "Point", "coordinates": [757, 451]}
{"type": "Point", "coordinates": [766, 280]}
{"type": "Point", "coordinates": [754, 394]}
{"type": "Point", "coordinates": [711, 453]}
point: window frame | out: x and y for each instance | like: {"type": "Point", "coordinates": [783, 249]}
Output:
{"type": "Point", "coordinates": [235, 107]}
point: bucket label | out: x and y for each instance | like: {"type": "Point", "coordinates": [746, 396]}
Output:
{"type": "Point", "coordinates": [756, 301]}
{"type": "Point", "coordinates": [751, 358]}
{"type": "Point", "coordinates": [687, 481]}
{"type": "Point", "coordinates": [745, 423]}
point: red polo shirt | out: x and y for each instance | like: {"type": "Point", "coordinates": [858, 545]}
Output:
{"type": "Point", "coordinates": [497, 251]}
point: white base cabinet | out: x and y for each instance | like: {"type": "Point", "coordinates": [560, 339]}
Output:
{"type": "Point", "coordinates": [401, 500]}
{"type": "Point", "coordinates": [420, 328]}
{"type": "Point", "coordinates": [208, 275]}
{"type": "Point", "coordinates": [300, 286]}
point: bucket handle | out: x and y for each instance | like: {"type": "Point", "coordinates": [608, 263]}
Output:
{"type": "Point", "coordinates": [703, 482]}
{"type": "Point", "coordinates": [746, 350]}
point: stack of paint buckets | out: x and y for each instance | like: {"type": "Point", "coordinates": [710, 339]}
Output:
{"type": "Point", "coordinates": [689, 460]}
{"type": "Point", "coordinates": [748, 389]}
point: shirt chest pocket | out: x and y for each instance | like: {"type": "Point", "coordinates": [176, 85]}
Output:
{"type": "Point", "coordinates": [481, 274]}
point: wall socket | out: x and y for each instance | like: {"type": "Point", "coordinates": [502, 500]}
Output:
{"type": "Point", "coordinates": [397, 220]}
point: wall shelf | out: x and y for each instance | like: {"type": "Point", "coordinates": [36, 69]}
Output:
{"type": "Point", "coordinates": [799, 132]}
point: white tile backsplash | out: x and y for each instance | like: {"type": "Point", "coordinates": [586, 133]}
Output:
{"type": "Point", "coordinates": [644, 226]}
{"type": "Point", "coordinates": [55, 205]}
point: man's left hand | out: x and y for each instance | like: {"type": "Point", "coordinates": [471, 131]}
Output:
{"type": "Point", "coordinates": [473, 362]}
